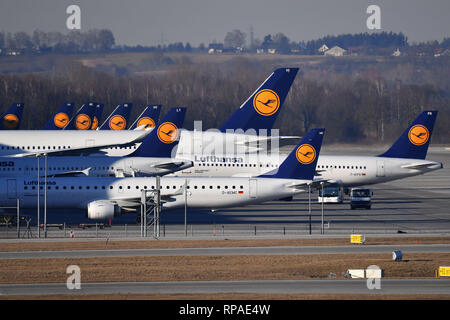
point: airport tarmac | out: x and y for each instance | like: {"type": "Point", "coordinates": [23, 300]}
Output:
{"type": "Point", "coordinates": [270, 250]}
{"type": "Point", "coordinates": [354, 286]}
{"type": "Point", "coordinates": [415, 205]}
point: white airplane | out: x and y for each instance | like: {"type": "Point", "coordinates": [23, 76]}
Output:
{"type": "Point", "coordinates": [258, 112]}
{"type": "Point", "coordinates": [152, 157]}
{"type": "Point", "coordinates": [404, 159]}
{"type": "Point", "coordinates": [106, 198]}
{"type": "Point", "coordinates": [22, 143]}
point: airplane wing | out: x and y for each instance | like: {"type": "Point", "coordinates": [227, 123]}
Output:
{"type": "Point", "coordinates": [315, 184]}
{"type": "Point", "coordinates": [143, 127]}
{"type": "Point", "coordinates": [255, 139]}
{"type": "Point", "coordinates": [131, 203]}
{"type": "Point", "coordinates": [252, 142]}
{"type": "Point", "coordinates": [174, 165]}
{"type": "Point", "coordinates": [162, 168]}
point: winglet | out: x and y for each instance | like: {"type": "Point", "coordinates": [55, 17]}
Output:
{"type": "Point", "coordinates": [161, 141]}
{"type": "Point", "coordinates": [301, 162]}
{"type": "Point", "coordinates": [61, 117]}
{"type": "Point", "coordinates": [118, 119]}
{"type": "Point", "coordinates": [414, 141]}
{"type": "Point", "coordinates": [261, 109]}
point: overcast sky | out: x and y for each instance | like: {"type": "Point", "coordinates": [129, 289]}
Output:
{"type": "Point", "coordinates": [146, 22]}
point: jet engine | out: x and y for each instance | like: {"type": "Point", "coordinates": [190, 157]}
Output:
{"type": "Point", "coordinates": [100, 210]}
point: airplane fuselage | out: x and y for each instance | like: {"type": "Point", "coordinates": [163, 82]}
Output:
{"type": "Point", "coordinates": [206, 193]}
{"type": "Point", "coordinates": [96, 166]}
{"type": "Point", "coordinates": [351, 171]}
{"type": "Point", "coordinates": [22, 142]}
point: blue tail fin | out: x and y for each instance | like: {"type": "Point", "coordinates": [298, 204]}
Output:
{"type": "Point", "coordinates": [118, 119]}
{"type": "Point", "coordinates": [12, 117]}
{"type": "Point", "coordinates": [83, 118]}
{"type": "Point", "coordinates": [61, 117]}
{"type": "Point", "coordinates": [161, 140]}
{"type": "Point", "coordinates": [148, 118]}
{"type": "Point", "coordinates": [262, 108]}
{"type": "Point", "coordinates": [97, 116]}
{"type": "Point", "coordinates": [301, 162]}
{"type": "Point", "coordinates": [413, 143]}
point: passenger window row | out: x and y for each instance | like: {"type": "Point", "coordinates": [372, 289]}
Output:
{"type": "Point", "coordinates": [68, 168]}
{"type": "Point", "coordinates": [129, 187]}
{"type": "Point", "coordinates": [128, 147]}
{"type": "Point", "coordinates": [234, 165]}
{"type": "Point", "coordinates": [35, 148]}
{"type": "Point", "coordinates": [53, 147]}
{"type": "Point", "coordinates": [341, 167]}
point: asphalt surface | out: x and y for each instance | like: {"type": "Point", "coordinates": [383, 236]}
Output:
{"type": "Point", "coordinates": [415, 205]}
{"type": "Point", "coordinates": [387, 286]}
{"type": "Point", "coordinates": [282, 250]}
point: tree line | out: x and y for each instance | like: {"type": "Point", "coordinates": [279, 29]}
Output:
{"type": "Point", "coordinates": [102, 40]}
{"type": "Point", "coordinates": [75, 41]}
{"type": "Point", "coordinates": [367, 40]}
{"type": "Point", "coordinates": [367, 106]}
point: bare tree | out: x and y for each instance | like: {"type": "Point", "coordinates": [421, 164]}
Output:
{"type": "Point", "coordinates": [234, 39]}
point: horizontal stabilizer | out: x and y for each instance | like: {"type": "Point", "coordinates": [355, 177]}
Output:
{"type": "Point", "coordinates": [419, 166]}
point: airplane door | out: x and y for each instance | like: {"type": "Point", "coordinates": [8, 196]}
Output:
{"type": "Point", "coordinates": [198, 143]}
{"type": "Point", "coordinates": [380, 168]}
{"type": "Point", "coordinates": [253, 186]}
{"type": "Point", "coordinates": [128, 166]}
{"type": "Point", "coordinates": [90, 142]}
{"type": "Point", "coordinates": [12, 190]}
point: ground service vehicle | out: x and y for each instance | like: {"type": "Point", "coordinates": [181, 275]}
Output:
{"type": "Point", "coordinates": [333, 193]}
{"type": "Point", "coordinates": [360, 198]}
